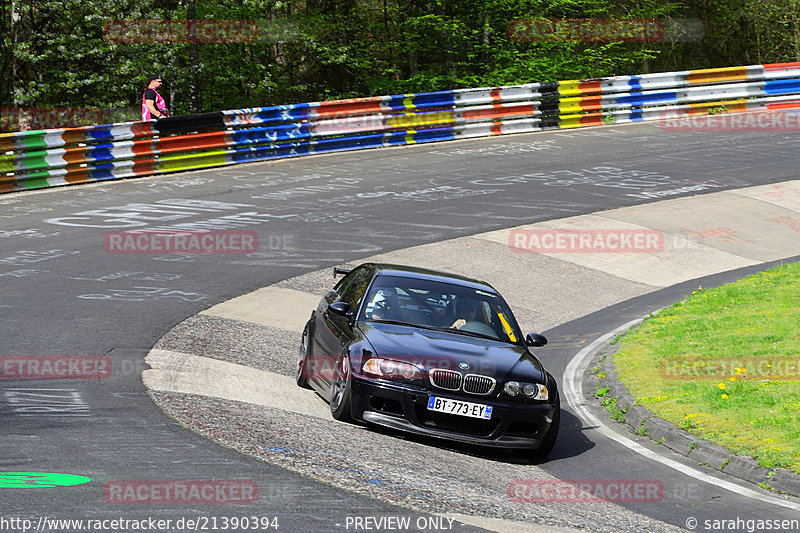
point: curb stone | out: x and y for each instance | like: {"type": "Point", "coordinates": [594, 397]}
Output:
{"type": "Point", "coordinates": [637, 416]}
{"type": "Point", "coordinates": [785, 481]}
{"type": "Point", "coordinates": [710, 453]}
{"type": "Point", "coordinates": [663, 432]}
{"type": "Point", "coordinates": [745, 467]}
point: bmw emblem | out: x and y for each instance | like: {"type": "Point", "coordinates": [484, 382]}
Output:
{"type": "Point", "coordinates": [463, 366]}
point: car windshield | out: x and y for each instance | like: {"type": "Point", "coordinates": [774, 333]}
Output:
{"type": "Point", "coordinates": [441, 306]}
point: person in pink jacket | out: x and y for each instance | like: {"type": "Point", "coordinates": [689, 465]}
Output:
{"type": "Point", "coordinates": [153, 104]}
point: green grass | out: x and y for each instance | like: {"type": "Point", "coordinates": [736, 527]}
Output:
{"type": "Point", "coordinates": [723, 364]}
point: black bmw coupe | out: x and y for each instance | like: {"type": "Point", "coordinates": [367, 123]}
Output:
{"type": "Point", "coordinates": [430, 353]}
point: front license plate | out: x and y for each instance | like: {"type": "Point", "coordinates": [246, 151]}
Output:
{"type": "Point", "coordinates": [456, 407]}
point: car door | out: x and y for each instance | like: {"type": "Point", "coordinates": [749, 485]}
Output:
{"type": "Point", "coordinates": [334, 332]}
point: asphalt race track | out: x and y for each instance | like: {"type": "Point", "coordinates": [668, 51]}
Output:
{"type": "Point", "coordinates": [64, 294]}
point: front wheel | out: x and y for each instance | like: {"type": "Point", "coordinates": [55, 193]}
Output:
{"type": "Point", "coordinates": [341, 389]}
{"type": "Point", "coordinates": [549, 440]}
{"type": "Point", "coordinates": [301, 369]}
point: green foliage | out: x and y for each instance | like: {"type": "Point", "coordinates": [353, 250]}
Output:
{"type": "Point", "coordinates": [610, 403]}
{"type": "Point", "coordinates": [57, 54]}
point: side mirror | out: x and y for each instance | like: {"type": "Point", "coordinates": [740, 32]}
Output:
{"type": "Point", "coordinates": [534, 339]}
{"type": "Point", "coordinates": [340, 308]}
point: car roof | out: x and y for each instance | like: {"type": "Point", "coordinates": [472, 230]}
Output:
{"type": "Point", "coordinates": [386, 269]}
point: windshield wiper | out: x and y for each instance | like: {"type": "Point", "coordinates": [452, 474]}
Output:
{"type": "Point", "coordinates": [409, 324]}
{"type": "Point", "coordinates": [470, 333]}
{"type": "Point", "coordinates": [435, 328]}
{"type": "Point", "coordinates": [395, 322]}
{"type": "Point", "coordinates": [463, 332]}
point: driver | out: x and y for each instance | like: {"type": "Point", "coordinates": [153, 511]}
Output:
{"type": "Point", "coordinates": [384, 305]}
{"type": "Point", "coordinates": [468, 309]}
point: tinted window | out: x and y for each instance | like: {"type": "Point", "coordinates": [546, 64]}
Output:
{"type": "Point", "coordinates": [352, 287]}
{"type": "Point", "coordinates": [439, 305]}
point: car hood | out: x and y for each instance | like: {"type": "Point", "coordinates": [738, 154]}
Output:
{"type": "Point", "coordinates": [430, 349]}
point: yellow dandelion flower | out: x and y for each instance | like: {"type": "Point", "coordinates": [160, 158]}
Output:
{"type": "Point", "coordinates": [724, 396]}
{"type": "Point", "coordinates": [732, 378]}
{"type": "Point", "coordinates": [721, 386]}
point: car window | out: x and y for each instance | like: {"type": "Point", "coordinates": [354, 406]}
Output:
{"type": "Point", "coordinates": [441, 306]}
{"type": "Point", "coordinates": [351, 288]}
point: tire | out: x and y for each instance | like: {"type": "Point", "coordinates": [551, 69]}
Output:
{"type": "Point", "coordinates": [341, 390]}
{"type": "Point", "coordinates": [301, 368]}
{"type": "Point", "coordinates": [549, 440]}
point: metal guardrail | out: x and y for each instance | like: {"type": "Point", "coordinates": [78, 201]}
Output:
{"type": "Point", "coordinates": [49, 158]}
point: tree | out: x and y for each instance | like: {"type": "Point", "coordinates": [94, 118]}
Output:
{"type": "Point", "coordinates": [61, 52]}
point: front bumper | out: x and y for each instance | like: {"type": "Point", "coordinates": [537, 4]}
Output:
{"type": "Point", "coordinates": [514, 424]}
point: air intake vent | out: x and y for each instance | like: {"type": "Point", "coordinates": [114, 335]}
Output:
{"type": "Point", "coordinates": [445, 379]}
{"type": "Point", "coordinates": [475, 384]}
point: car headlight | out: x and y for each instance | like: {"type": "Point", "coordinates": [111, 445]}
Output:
{"type": "Point", "coordinates": [523, 390]}
{"type": "Point", "coordinates": [388, 369]}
